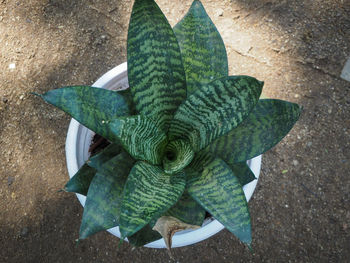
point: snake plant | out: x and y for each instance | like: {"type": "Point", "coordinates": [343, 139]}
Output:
{"type": "Point", "coordinates": [180, 135]}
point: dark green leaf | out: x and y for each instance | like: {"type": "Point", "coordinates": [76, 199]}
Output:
{"type": "Point", "coordinates": [187, 210]}
{"type": "Point", "coordinates": [242, 172]}
{"type": "Point", "coordinates": [215, 109]}
{"type": "Point", "coordinates": [218, 190]}
{"type": "Point", "coordinates": [148, 193]}
{"type": "Point", "coordinates": [202, 49]}
{"type": "Point", "coordinates": [129, 100]}
{"type": "Point", "coordinates": [140, 137]}
{"type": "Point", "coordinates": [144, 236]}
{"type": "Point", "coordinates": [155, 70]}
{"type": "Point", "coordinates": [265, 126]}
{"type": "Point", "coordinates": [104, 197]}
{"type": "Point", "coordinates": [90, 106]}
{"type": "Point", "coordinates": [106, 154]}
{"type": "Point", "coordinates": [80, 182]}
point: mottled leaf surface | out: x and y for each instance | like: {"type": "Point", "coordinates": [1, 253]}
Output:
{"type": "Point", "coordinates": [242, 172]}
{"type": "Point", "coordinates": [140, 137]}
{"type": "Point", "coordinates": [144, 236]}
{"type": "Point", "coordinates": [148, 193]}
{"type": "Point", "coordinates": [80, 182]}
{"type": "Point", "coordinates": [129, 100]}
{"type": "Point", "coordinates": [218, 190]}
{"type": "Point", "coordinates": [215, 109]}
{"type": "Point", "coordinates": [187, 210]}
{"type": "Point", "coordinates": [90, 106]}
{"type": "Point", "coordinates": [202, 49]}
{"type": "Point", "coordinates": [103, 201]}
{"type": "Point", "coordinates": [265, 126]}
{"type": "Point", "coordinates": [106, 154]}
{"type": "Point", "coordinates": [155, 70]}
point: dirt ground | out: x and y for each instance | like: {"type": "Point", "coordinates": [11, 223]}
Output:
{"type": "Point", "coordinates": [300, 209]}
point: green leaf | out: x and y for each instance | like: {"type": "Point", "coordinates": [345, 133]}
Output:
{"type": "Point", "coordinates": [187, 210]}
{"type": "Point", "coordinates": [178, 154]}
{"type": "Point", "coordinates": [129, 100]}
{"type": "Point", "coordinates": [140, 137]}
{"type": "Point", "coordinates": [144, 236]}
{"type": "Point", "coordinates": [106, 154]}
{"type": "Point", "coordinates": [215, 109]}
{"type": "Point", "coordinates": [242, 172]}
{"type": "Point", "coordinates": [155, 70]}
{"type": "Point", "coordinates": [104, 197]}
{"type": "Point", "coordinates": [219, 192]}
{"type": "Point", "coordinates": [202, 49]}
{"type": "Point", "coordinates": [90, 106]}
{"type": "Point", "coordinates": [265, 126]}
{"type": "Point", "coordinates": [148, 193]}
{"type": "Point", "coordinates": [80, 182]}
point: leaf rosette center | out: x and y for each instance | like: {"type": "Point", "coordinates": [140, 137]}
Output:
{"type": "Point", "coordinates": [177, 155]}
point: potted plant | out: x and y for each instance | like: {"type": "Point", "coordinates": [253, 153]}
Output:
{"type": "Point", "coordinates": [180, 135]}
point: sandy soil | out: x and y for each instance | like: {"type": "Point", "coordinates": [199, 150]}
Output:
{"type": "Point", "coordinates": [297, 47]}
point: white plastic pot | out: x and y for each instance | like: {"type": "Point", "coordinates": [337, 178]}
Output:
{"type": "Point", "coordinates": [77, 152]}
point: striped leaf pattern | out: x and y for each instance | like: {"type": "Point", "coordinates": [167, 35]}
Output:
{"type": "Point", "coordinates": [148, 193]}
{"type": "Point", "coordinates": [178, 154]}
{"type": "Point", "coordinates": [90, 106]}
{"type": "Point", "coordinates": [140, 137]}
{"type": "Point", "coordinates": [155, 70]}
{"type": "Point", "coordinates": [265, 126]}
{"type": "Point", "coordinates": [218, 190]}
{"type": "Point", "coordinates": [104, 197]}
{"type": "Point", "coordinates": [202, 49]}
{"type": "Point", "coordinates": [215, 109]}
{"type": "Point", "coordinates": [187, 210]}
{"type": "Point", "coordinates": [80, 182]}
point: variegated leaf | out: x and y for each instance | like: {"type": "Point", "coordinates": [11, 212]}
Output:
{"type": "Point", "coordinates": [218, 190]}
{"type": "Point", "coordinates": [214, 110]}
{"type": "Point", "coordinates": [265, 126]}
{"type": "Point", "coordinates": [80, 182]}
{"type": "Point", "coordinates": [202, 49]}
{"type": "Point", "coordinates": [104, 198]}
{"type": "Point", "coordinates": [90, 106]}
{"type": "Point", "coordinates": [140, 137]}
{"type": "Point", "coordinates": [148, 193]}
{"type": "Point", "coordinates": [155, 70]}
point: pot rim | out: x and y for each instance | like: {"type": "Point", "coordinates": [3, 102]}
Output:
{"type": "Point", "coordinates": [77, 145]}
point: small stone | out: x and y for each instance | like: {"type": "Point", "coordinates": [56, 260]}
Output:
{"type": "Point", "coordinates": [295, 162]}
{"type": "Point", "coordinates": [296, 96]}
{"type": "Point", "coordinates": [10, 180]}
{"type": "Point", "coordinates": [345, 74]}
{"type": "Point", "coordinates": [21, 97]}
{"type": "Point", "coordinates": [5, 100]}
{"type": "Point", "coordinates": [24, 232]}
{"type": "Point", "coordinates": [309, 144]}
{"type": "Point", "coordinates": [12, 66]}
{"type": "Point", "coordinates": [220, 12]}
